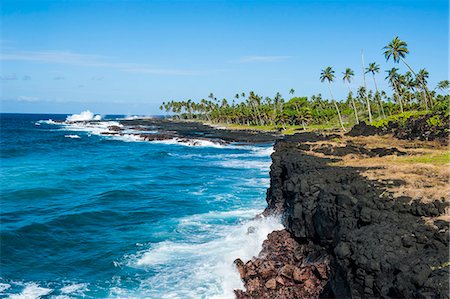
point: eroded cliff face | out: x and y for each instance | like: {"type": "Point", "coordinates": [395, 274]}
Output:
{"type": "Point", "coordinates": [377, 245]}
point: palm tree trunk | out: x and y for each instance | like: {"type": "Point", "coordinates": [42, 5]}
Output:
{"type": "Point", "coordinates": [353, 104]}
{"type": "Point", "coordinates": [365, 87]}
{"type": "Point", "coordinates": [379, 96]}
{"type": "Point", "coordinates": [421, 82]}
{"type": "Point", "coordinates": [337, 108]}
{"type": "Point", "coordinates": [397, 94]}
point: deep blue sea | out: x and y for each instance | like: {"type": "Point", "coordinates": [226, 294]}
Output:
{"type": "Point", "coordinates": [90, 216]}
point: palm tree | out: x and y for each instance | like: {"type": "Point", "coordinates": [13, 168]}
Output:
{"type": "Point", "coordinates": [348, 75]}
{"type": "Point", "coordinates": [422, 76]}
{"type": "Point", "coordinates": [443, 86]}
{"type": "Point", "coordinates": [397, 49]}
{"type": "Point", "coordinates": [291, 91]}
{"type": "Point", "coordinates": [328, 75]}
{"type": "Point", "coordinates": [393, 78]}
{"type": "Point", "coordinates": [375, 68]}
{"type": "Point", "coordinates": [365, 87]}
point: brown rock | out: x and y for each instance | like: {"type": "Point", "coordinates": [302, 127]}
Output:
{"type": "Point", "coordinates": [297, 275]}
{"type": "Point", "coordinates": [253, 285]}
{"type": "Point", "coordinates": [278, 273]}
{"type": "Point", "coordinates": [280, 280]}
{"type": "Point", "coordinates": [271, 284]}
{"type": "Point", "coordinates": [240, 267]}
{"type": "Point", "coordinates": [267, 269]}
{"type": "Point", "coordinates": [250, 273]}
{"type": "Point", "coordinates": [287, 270]}
{"type": "Point", "coordinates": [321, 271]}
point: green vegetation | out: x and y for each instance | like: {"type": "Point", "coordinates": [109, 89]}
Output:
{"type": "Point", "coordinates": [437, 159]}
{"type": "Point", "coordinates": [400, 118]}
{"type": "Point", "coordinates": [410, 97]}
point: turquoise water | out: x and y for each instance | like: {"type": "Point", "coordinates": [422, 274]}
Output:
{"type": "Point", "coordinates": [91, 216]}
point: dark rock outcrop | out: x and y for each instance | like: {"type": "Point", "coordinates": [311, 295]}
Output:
{"type": "Point", "coordinates": [284, 269]}
{"type": "Point", "coordinates": [378, 246]}
{"type": "Point", "coordinates": [363, 129]}
{"type": "Point", "coordinates": [188, 130]}
{"type": "Point", "coordinates": [428, 127]}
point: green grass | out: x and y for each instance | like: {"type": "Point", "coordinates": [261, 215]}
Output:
{"type": "Point", "coordinates": [437, 159]}
{"type": "Point", "coordinates": [399, 118]}
{"type": "Point", "coordinates": [290, 129]}
{"type": "Point", "coordinates": [251, 127]}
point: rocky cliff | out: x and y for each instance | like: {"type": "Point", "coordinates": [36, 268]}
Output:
{"type": "Point", "coordinates": [378, 245]}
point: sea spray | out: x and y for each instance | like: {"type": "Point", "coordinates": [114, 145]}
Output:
{"type": "Point", "coordinates": [134, 219]}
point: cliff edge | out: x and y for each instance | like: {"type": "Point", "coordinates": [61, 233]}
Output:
{"type": "Point", "coordinates": [367, 222]}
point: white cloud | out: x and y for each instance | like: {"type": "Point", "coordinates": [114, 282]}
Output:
{"type": "Point", "coordinates": [86, 60]}
{"type": "Point", "coordinates": [11, 77]}
{"type": "Point", "coordinates": [259, 58]}
{"type": "Point", "coordinates": [27, 99]}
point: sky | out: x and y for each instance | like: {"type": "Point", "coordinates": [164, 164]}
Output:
{"type": "Point", "coordinates": [126, 57]}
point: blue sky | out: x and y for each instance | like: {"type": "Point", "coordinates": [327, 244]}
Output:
{"type": "Point", "coordinates": [128, 56]}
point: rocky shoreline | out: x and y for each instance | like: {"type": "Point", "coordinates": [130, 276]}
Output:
{"type": "Point", "coordinates": [346, 236]}
{"type": "Point", "coordinates": [190, 130]}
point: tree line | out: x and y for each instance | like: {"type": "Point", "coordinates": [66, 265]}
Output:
{"type": "Point", "coordinates": [410, 92]}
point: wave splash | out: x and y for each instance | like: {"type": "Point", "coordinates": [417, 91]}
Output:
{"type": "Point", "coordinates": [83, 116]}
{"type": "Point", "coordinates": [204, 269]}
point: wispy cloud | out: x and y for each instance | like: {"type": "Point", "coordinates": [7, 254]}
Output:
{"type": "Point", "coordinates": [26, 78]}
{"type": "Point", "coordinates": [86, 60]}
{"type": "Point", "coordinates": [27, 99]}
{"type": "Point", "coordinates": [97, 78]}
{"type": "Point", "coordinates": [259, 58]}
{"type": "Point", "coordinates": [58, 78]}
{"type": "Point", "coordinates": [10, 77]}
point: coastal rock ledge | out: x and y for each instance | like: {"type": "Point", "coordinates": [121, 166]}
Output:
{"type": "Point", "coordinates": [345, 235]}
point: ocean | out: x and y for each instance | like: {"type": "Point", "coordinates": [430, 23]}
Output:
{"type": "Point", "coordinates": [86, 215]}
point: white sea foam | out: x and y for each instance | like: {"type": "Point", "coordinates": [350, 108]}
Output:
{"type": "Point", "coordinates": [31, 291]}
{"type": "Point", "coordinates": [205, 269]}
{"type": "Point", "coordinates": [48, 122]}
{"type": "Point", "coordinates": [95, 128]}
{"type": "Point", "coordinates": [191, 142]}
{"type": "Point", "coordinates": [128, 138]}
{"type": "Point", "coordinates": [245, 164]}
{"type": "Point", "coordinates": [73, 136]}
{"type": "Point", "coordinates": [4, 286]}
{"type": "Point", "coordinates": [74, 288]}
{"type": "Point", "coordinates": [262, 151]}
{"type": "Point", "coordinates": [83, 116]}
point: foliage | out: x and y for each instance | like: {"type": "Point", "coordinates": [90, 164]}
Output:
{"type": "Point", "coordinates": [435, 121]}
{"type": "Point", "coordinates": [400, 118]}
{"type": "Point", "coordinates": [410, 98]}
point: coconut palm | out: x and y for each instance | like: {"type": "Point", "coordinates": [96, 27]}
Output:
{"type": "Point", "coordinates": [375, 68]}
{"type": "Point", "coordinates": [328, 75]}
{"type": "Point", "coordinates": [292, 91]}
{"type": "Point", "coordinates": [422, 76]}
{"type": "Point", "coordinates": [365, 87]}
{"type": "Point", "coordinates": [397, 50]}
{"type": "Point", "coordinates": [444, 86]}
{"type": "Point", "coordinates": [393, 78]}
{"type": "Point", "coordinates": [348, 75]}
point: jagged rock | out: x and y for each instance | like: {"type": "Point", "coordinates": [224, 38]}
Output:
{"type": "Point", "coordinates": [278, 273]}
{"type": "Point", "coordinates": [271, 284]}
{"type": "Point", "coordinates": [379, 246]}
{"type": "Point", "coordinates": [240, 266]}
